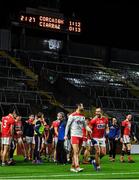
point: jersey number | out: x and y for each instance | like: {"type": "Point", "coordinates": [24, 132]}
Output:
{"type": "Point", "coordinates": [4, 124]}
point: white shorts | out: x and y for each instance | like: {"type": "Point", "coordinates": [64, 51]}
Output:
{"type": "Point", "coordinates": [126, 139]}
{"type": "Point", "coordinates": [29, 140]}
{"type": "Point", "coordinates": [87, 143]}
{"type": "Point", "coordinates": [100, 142]}
{"type": "Point", "coordinates": [6, 140]}
{"type": "Point", "coordinates": [44, 141]}
{"type": "Point", "coordinates": [84, 144]}
{"type": "Point", "coordinates": [19, 140]}
{"type": "Point", "coordinates": [55, 141]}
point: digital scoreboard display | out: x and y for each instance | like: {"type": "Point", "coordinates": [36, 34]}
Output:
{"type": "Point", "coordinates": [51, 23]}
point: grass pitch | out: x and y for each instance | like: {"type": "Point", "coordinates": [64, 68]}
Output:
{"type": "Point", "coordinates": [110, 170]}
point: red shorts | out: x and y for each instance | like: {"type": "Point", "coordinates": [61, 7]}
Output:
{"type": "Point", "coordinates": [76, 140]}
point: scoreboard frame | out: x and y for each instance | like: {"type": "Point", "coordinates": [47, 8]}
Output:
{"type": "Point", "coordinates": [53, 23]}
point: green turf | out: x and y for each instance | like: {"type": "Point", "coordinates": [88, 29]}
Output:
{"type": "Point", "coordinates": [110, 170]}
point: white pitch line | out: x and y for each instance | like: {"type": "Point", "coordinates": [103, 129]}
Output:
{"type": "Point", "coordinates": [69, 175]}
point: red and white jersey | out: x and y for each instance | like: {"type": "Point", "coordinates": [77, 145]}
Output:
{"type": "Point", "coordinates": [76, 122]}
{"type": "Point", "coordinates": [18, 128]}
{"type": "Point", "coordinates": [18, 125]}
{"type": "Point", "coordinates": [127, 127]}
{"type": "Point", "coordinates": [7, 122]}
{"type": "Point", "coordinates": [46, 131]}
{"type": "Point", "coordinates": [98, 127]}
{"type": "Point", "coordinates": [30, 121]}
{"type": "Point", "coordinates": [56, 124]}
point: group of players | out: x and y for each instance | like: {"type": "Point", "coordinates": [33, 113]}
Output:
{"type": "Point", "coordinates": [99, 128]}
{"type": "Point", "coordinates": [86, 135]}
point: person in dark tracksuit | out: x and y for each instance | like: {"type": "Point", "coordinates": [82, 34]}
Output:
{"type": "Point", "coordinates": [113, 136]}
{"type": "Point", "coordinates": [60, 150]}
{"type": "Point", "coordinates": [38, 132]}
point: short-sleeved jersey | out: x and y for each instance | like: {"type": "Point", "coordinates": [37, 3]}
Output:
{"type": "Point", "coordinates": [127, 127]}
{"type": "Point", "coordinates": [55, 124]}
{"type": "Point", "coordinates": [18, 127]}
{"type": "Point", "coordinates": [98, 127]}
{"type": "Point", "coordinates": [7, 122]}
{"type": "Point", "coordinates": [46, 130]}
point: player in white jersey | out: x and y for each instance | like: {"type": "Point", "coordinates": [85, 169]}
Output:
{"type": "Point", "coordinates": [76, 122]}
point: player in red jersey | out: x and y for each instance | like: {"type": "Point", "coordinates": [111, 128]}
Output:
{"type": "Point", "coordinates": [127, 130]}
{"type": "Point", "coordinates": [19, 136]}
{"type": "Point", "coordinates": [18, 139]}
{"type": "Point", "coordinates": [7, 134]}
{"type": "Point", "coordinates": [55, 125]}
{"type": "Point", "coordinates": [99, 125]}
{"type": "Point", "coordinates": [49, 141]}
{"type": "Point", "coordinates": [86, 145]}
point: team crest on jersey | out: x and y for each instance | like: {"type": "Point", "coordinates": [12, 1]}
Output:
{"type": "Point", "coordinates": [100, 126]}
{"type": "Point", "coordinates": [79, 120]}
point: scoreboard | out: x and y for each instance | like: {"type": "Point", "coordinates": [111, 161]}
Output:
{"type": "Point", "coordinates": [54, 23]}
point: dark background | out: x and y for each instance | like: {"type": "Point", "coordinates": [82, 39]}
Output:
{"type": "Point", "coordinates": [110, 23]}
